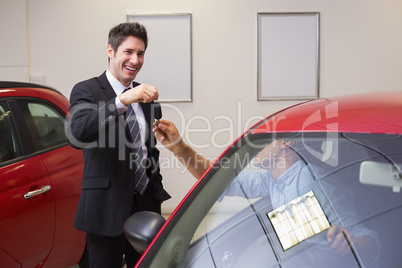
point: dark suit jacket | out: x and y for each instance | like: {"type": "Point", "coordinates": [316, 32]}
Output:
{"type": "Point", "coordinates": [107, 192]}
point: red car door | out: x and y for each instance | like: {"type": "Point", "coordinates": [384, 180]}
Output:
{"type": "Point", "coordinates": [65, 166]}
{"type": "Point", "coordinates": [27, 202]}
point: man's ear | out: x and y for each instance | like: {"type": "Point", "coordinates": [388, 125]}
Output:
{"type": "Point", "coordinates": [110, 51]}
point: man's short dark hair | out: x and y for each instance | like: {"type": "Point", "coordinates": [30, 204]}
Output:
{"type": "Point", "coordinates": [120, 32]}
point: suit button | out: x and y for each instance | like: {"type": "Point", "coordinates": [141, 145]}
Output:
{"type": "Point", "coordinates": [131, 189]}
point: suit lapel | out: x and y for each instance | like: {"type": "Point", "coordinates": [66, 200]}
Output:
{"type": "Point", "coordinates": [106, 87]}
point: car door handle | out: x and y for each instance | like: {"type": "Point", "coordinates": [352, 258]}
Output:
{"type": "Point", "coordinates": [42, 190]}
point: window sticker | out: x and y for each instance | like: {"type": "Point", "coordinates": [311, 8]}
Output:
{"type": "Point", "coordinates": [298, 220]}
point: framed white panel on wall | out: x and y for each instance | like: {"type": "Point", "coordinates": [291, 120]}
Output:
{"type": "Point", "coordinates": [168, 58]}
{"type": "Point", "coordinates": [288, 56]}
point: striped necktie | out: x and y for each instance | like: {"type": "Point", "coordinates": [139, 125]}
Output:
{"type": "Point", "coordinates": [140, 177]}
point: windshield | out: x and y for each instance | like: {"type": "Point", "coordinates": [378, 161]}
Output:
{"type": "Point", "coordinates": [296, 200]}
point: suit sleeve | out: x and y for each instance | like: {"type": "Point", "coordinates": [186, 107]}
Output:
{"type": "Point", "coordinates": [89, 115]}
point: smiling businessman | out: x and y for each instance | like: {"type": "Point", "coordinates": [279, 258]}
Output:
{"type": "Point", "coordinates": [111, 122]}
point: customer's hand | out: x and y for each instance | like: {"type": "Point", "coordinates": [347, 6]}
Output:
{"type": "Point", "coordinates": [167, 134]}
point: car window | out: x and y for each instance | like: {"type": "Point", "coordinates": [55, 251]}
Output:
{"type": "Point", "coordinates": [285, 201]}
{"type": "Point", "coordinates": [229, 233]}
{"type": "Point", "coordinates": [312, 200]}
{"type": "Point", "coordinates": [9, 144]}
{"type": "Point", "coordinates": [47, 124]}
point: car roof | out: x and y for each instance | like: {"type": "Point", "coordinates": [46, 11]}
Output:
{"type": "Point", "coordinates": [360, 113]}
{"type": "Point", "coordinates": [13, 84]}
{"type": "Point", "coordinates": [22, 89]}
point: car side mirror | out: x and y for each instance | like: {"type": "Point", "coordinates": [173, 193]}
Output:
{"type": "Point", "coordinates": [141, 227]}
{"type": "Point", "coordinates": [382, 174]}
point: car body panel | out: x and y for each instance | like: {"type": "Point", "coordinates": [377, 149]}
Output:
{"type": "Point", "coordinates": [342, 114]}
{"type": "Point", "coordinates": [38, 232]}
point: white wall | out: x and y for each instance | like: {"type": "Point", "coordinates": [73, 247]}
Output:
{"type": "Point", "coordinates": [361, 43]}
{"type": "Point", "coordinates": [13, 41]}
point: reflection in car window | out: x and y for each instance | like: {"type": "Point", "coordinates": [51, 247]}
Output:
{"type": "Point", "coordinates": [239, 232]}
{"type": "Point", "coordinates": [48, 125]}
{"type": "Point", "coordinates": [9, 143]}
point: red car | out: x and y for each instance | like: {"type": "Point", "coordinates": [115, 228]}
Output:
{"type": "Point", "coordinates": [40, 179]}
{"type": "Point", "coordinates": [327, 195]}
